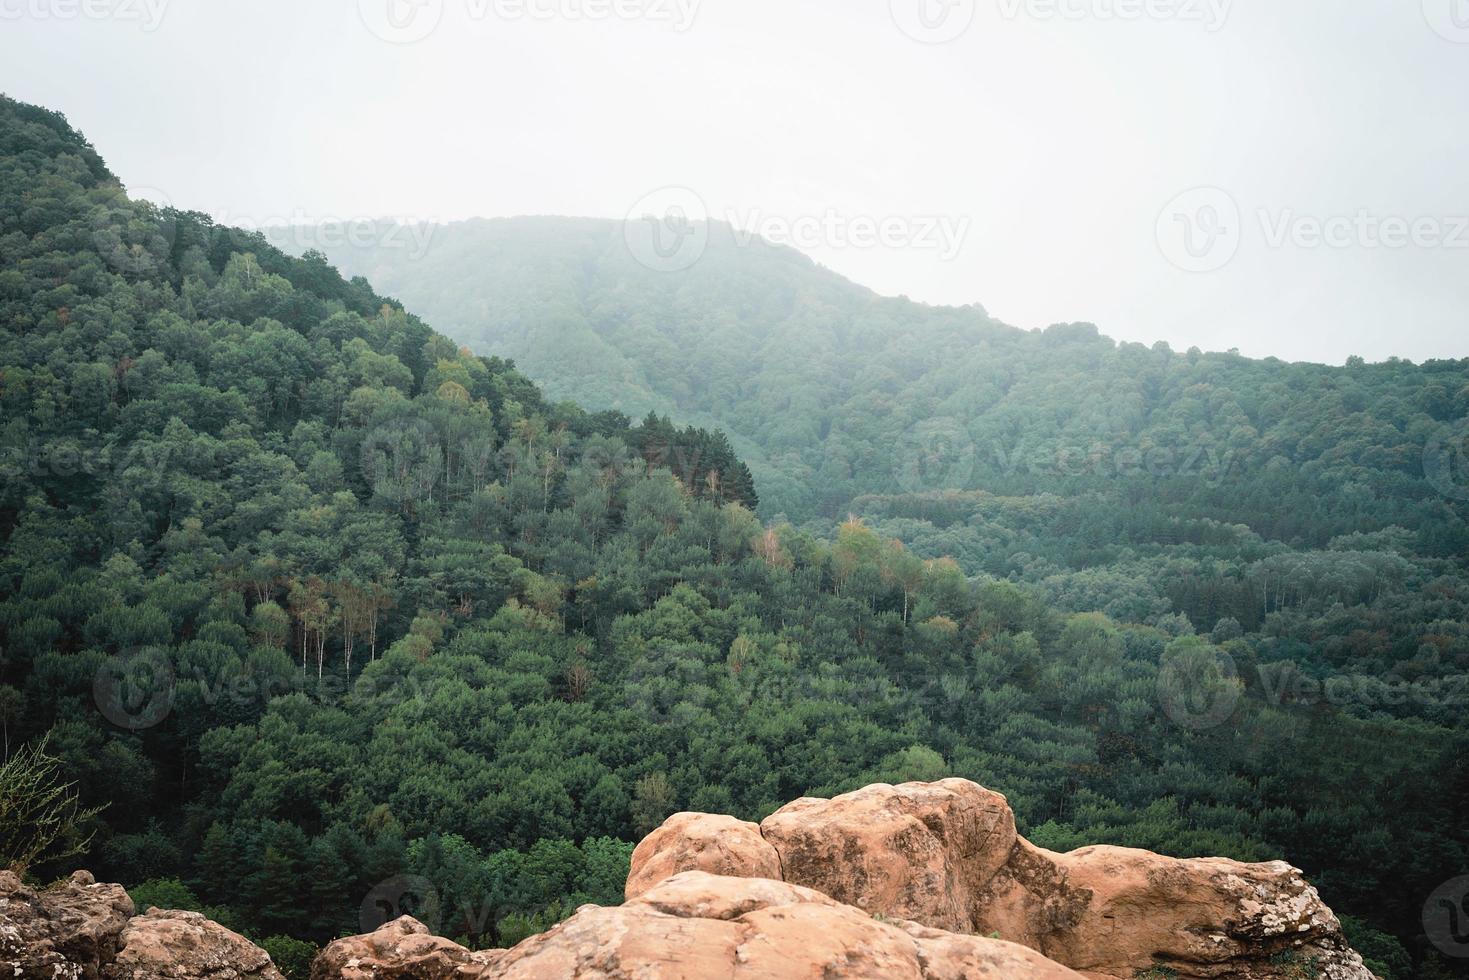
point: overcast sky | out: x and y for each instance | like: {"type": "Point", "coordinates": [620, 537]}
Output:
{"type": "Point", "coordinates": [1283, 177]}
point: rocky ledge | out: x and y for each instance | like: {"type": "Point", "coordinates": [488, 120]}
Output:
{"type": "Point", "coordinates": [696, 926]}
{"type": "Point", "coordinates": [81, 930]}
{"type": "Point", "coordinates": [923, 881]}
{"type": "Point", "coordinates": [947, 855]}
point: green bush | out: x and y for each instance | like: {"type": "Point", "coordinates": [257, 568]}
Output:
{"type": "Point", "coordinates": [1383, 954]}
{"type": "Point", "coordinates": [164, 893]}
{"type": "Point", "coordinates": [170, 893]}
{"type": "Point", "coordinates": [291, 956]}
{"type": "Point", "coordinates": [40, 818]}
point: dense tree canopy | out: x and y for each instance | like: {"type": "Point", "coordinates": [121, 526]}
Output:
{"type": "Point", "coordinates": [330, 612]}
{"type": "Point", "coordinates": [832, 392]}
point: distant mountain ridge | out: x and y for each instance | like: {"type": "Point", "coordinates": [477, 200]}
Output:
{"type": "Point", "coordinates": [568, 301]}
{"type": "Point", "coordinates": [833, 393]}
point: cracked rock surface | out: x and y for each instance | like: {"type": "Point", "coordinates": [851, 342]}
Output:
{"type": "Point", "coordinates": [699, 926]}
{"type": "Point", "coordinates": [947, 855]}
{"type": "Point", "coordinates": [78, 929]}
{"type": "Point", "coordinates": [68, 931]}
{"type": "Point", "coordinates": [923, 881]}
{"type": "Point", "coordinates": [173, 945]}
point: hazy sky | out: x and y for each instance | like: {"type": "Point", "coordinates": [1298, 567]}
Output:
{"type": "Point", "coordinates": [1041, 157]}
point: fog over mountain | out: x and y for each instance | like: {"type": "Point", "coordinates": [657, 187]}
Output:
{"type": "Point", "coordinates": [1063, 137]}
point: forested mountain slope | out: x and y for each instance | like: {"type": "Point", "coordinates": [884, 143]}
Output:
{"type": "Point", "coordinates": [1319, 513]}
{"type": "Point", "coordinates": [1318, 509]}
{"type": "Point", "coordinates": [834, 392]}
{"type": "Point", "coordinates": [311, 599]}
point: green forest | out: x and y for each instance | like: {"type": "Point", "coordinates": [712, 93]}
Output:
{"type": "Point", "coordinates": [308, 600]}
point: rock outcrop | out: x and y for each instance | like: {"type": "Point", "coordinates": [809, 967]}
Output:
{"type": "Point", "coordinates": [926, 853]}
{"type": "Point", "coordinates": [708, 842]}
{"type": "Point", "coordinates": [947, 855]}
{"type": "Point", "coordinates": [402, 948]}
{"type": "Point", "coordinates": [67, 931]}
{"type": "Point", "coordinates": [174, 945]}
{"type": "Point", "coordinates": [697, 926]}
{"type": "Point", "coordinates": [923, 881]}
{"type": "Point", "coordinates": [81, 930]}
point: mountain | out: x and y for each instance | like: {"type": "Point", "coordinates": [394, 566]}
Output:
{"type": "Point", "coordinates": [303, 605]}
{"type": "Point", "coordinates": [834, 393]}
{"type": "Point", "coordinates": [1320, 513]}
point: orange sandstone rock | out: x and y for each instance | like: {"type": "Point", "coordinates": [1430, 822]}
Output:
{"type": "Point", "coordinates": [698, 926]}
{"type": "Point", "coordinates": [947, 855]}
{"type": "Point", "coordinates": [717, 844]}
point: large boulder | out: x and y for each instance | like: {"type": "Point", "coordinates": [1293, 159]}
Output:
{"type": "Point", "coordinates": [1204, 917]}
{"type": "Point", "coordinates": [81, 930]}
{"type": "Point", "coordinates": [708, 842]}
{"type": "Point", "coordinates": [173, 945]}
{"type": "Point", "coordinates": [403, 949]}
{"type": "Point", "coordinates": [68, 931]}
{"type": "Point", "coordinates": [920, 851]}
{"type": "Point", "coordinates": [695, 926]}
{"type": "Point", "coordinates": [947, 855]}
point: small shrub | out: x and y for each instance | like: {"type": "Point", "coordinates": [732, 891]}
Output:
{"type": "Point", "coordinates": [292, 957]}
{"type": "Point", "coordinates": [40, 817]}
{"type": "Point", "coordinates": [1295, 966]}
{"type": "Point", "coordinates": [1156, 973]}
{"type": "Point", "coordinates": [164, 893]}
